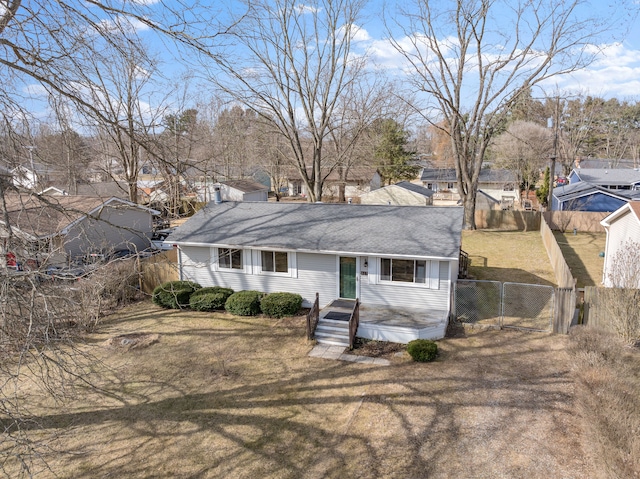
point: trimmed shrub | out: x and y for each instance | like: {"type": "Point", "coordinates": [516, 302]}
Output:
{"type": "Point", "coordinates": [174, 294]}
{"type": "Point", "coordinates": [279, 305]}
{"type": "Point", "coordinates": [244, 303]}
{"type": "Point", "coordinates": [422, 350]}
{"type": "Point", "coordinates": [209, 299]}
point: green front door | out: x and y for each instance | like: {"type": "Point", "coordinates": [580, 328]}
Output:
{"type": "Point", "coordinates": [347, 277]}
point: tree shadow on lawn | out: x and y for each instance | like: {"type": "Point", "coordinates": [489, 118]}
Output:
{"type": "Point", "coordinates": [323, 418]}
{"type": "Point", "coordinates": [574, 258]}
{"type": "Point", "coordinates": [512, 275]}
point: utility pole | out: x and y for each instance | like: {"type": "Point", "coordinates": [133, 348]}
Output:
{"type": "Point", "coordinates": [33, 168]}
{"type": "Point", "coordinates": [552, 158]}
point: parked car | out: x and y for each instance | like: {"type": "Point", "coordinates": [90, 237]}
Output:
{"type": "Point", "coordinates": [157, 240]}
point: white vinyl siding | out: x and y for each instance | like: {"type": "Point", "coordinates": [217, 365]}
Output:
{"type": "Point", "coordinates": [407, 295]}
{"type": "Point", "coordinates": [621, 230]}
{"type": "Point", "coordinates": [312, 273]}
{"type": "Point", "coordinates": [319, 273]}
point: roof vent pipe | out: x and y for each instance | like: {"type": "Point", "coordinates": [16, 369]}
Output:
{"type": "Point", "coordinates": [217, 197]}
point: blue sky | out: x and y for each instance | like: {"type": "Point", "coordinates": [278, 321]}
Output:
{"type": "Point", "coordinates": [614, 73]}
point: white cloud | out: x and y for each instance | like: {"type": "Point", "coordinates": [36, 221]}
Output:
{"type": "Point", "coordinates": [123, 23]}
{"type": "Point", "coordinates": [302, 8]}
{"type": "Point", "coordinates": [614, 73]}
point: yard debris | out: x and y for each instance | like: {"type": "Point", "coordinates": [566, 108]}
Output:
{"type": "Point", "coordinates": [127, 342]}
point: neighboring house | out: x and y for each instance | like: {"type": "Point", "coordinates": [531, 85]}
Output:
{"type": "Point", "coordinates": [400, 194]}
{"type": "Point", "coordinates": [359, 180]}
{"type": "Point", "coordinates": [53, 191]}
{"type": "Point", "coordinates": [32, 178]}
{"type": "Point", "coordinates": [622, 227]}
{"type": "Point", "coordinates": [499, 184]}
{"type": "Point", "coordinates": [603, 163]}
{"type": "Point", "coordinates": [59, 229]}
{"type": "Point", "coordinates": [611, 179]}
{"type": "Point", "coordinates": [243, 190]}
{"type": "Point", "coordinates": [105, 189]}
{"type": "Point", "coordinates": [584, 196]}
{"type": "Point", "coordinates": [387, 256]}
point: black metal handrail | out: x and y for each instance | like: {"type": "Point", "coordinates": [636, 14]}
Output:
{"type": "Point", "coordinates": [463, 264]}
{"type": "Point", "coordinates": [354, 322]}
{"type": "Point", "coordinates": [313, 316]}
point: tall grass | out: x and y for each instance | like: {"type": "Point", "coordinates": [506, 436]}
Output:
{"type": "Point", "coordinates": [608, 383]}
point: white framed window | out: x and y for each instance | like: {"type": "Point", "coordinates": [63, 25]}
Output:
{"type": "Point", "coordinates": [274, 261]}
{"type": "Point", "coordinates": [450, 186]}
{"type": "Point", "coordinates": [411, 272]}
{"type": "Point", "coordinates": [404, 270]}
{"type": "Point", "coordinates": [230, 258]}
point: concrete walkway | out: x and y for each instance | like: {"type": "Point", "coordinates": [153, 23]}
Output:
{"type": "Point", "coordinates": [326, 351]}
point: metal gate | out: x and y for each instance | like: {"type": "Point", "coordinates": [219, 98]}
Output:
{"type": "Point", "coordinates": [507, 305]}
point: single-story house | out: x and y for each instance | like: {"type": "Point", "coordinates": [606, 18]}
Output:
{"type": "Point", "coordinates": [359, 180]}
{"type": "Point", "coordinates": [243, 190]}
{"type": "Point", "coordinates": [611, 179]}
{"type": "Point", "coordinates": [59, 229]}
{"type": "Point", "coordinates": [623, 230]}
{"type": "Point", "coordinates": [499, 184]}
{"type": "Point", "coordinates": [387, 256]}
{"type": "Point", "coordinates": [583, 196]}
{"type": "Point", "coordinates": [400, 194]}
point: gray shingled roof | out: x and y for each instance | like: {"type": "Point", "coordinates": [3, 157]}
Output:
{"type": "Point", "coordinates": [487, 175]}
{"type": "Point", "coordinates": [419, 231]}
{"type": "Point", "coordinates": [613, 176]}
{"type": "Point", "coordinates": [245, 185]}
{"type": "Point", "coordinates": [421, 190]}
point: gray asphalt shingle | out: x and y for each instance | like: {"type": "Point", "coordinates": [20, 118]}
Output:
{"type": "Point", "coordinates": [368, 229]}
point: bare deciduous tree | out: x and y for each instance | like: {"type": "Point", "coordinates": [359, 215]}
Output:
{"type": "Point", "coordinates": [621, 299]}
{"type": "Point", "coordinates": [524, 148]}
{"type": "Point", "coordinates": [291, 63]}
{"type": "Point", "coordinates": [474, 58]}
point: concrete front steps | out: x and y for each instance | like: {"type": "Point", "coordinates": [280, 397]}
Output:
{"type": "Point", "coordinates": [332, 332]}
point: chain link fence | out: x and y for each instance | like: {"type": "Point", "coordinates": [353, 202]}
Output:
{"type": "Point", "coordinates": [510, 305]}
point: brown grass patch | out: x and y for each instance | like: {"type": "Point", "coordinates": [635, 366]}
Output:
{"type": "Point", "coordinates": [582, 254]}
{"type": "Point", "coordinates": [221, 396]}
{"type": "Point", "coordinates": [608, 373]}
{"type": "Point", "coordinates": [515, 256]}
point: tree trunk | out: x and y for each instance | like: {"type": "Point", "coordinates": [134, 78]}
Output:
{"type": "Point", "coordinates": [469, 203]}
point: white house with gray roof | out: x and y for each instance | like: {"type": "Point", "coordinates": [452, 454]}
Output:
{"type": "Point", "coordinates": [393, 257]}
{"type": "Point", "coordinates": [400, 194]}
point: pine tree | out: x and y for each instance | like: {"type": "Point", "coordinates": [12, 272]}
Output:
{"type": "Point", "coordinates": [391, 156]}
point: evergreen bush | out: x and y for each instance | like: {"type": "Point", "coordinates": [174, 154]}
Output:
{"type": "Point", "coordinates": [279, 305]}
{"type": "Point", "coordinates": [244, 303]}
{"type": "Point", "coordinates": [422, 350]}
{"type": "Point", "coordinates": [210, 298]}
{"type": "Point", "coordinates": [174, 294]}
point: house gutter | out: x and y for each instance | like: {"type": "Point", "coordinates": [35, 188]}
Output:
{"type": "Point", "coordinates": [330, 252]}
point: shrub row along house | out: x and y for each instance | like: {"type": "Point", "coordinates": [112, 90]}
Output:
{"type": "Point", "coordinates": [390, 257]}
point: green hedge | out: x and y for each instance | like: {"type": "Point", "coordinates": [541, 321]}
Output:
{"type": "Point", "coordinates": [422, 350]}
{"type": "Point", "coordinates": [174, 294]}
{"type": "Point", "coordinates": [279, 305]}
{"type": "Point", "coordinates": [244, 303]}
{"type": "Point", "coordinates": [210, 298]}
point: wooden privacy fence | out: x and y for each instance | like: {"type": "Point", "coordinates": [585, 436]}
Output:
{"type": "Point", "coordinates": [159, 269]}
{"type": "Point", "coordinates": [563, 275]}
{"type": "Point", "coordinates": [585, 221]}
{"type": "Point", "coordinates": [507, 220]}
